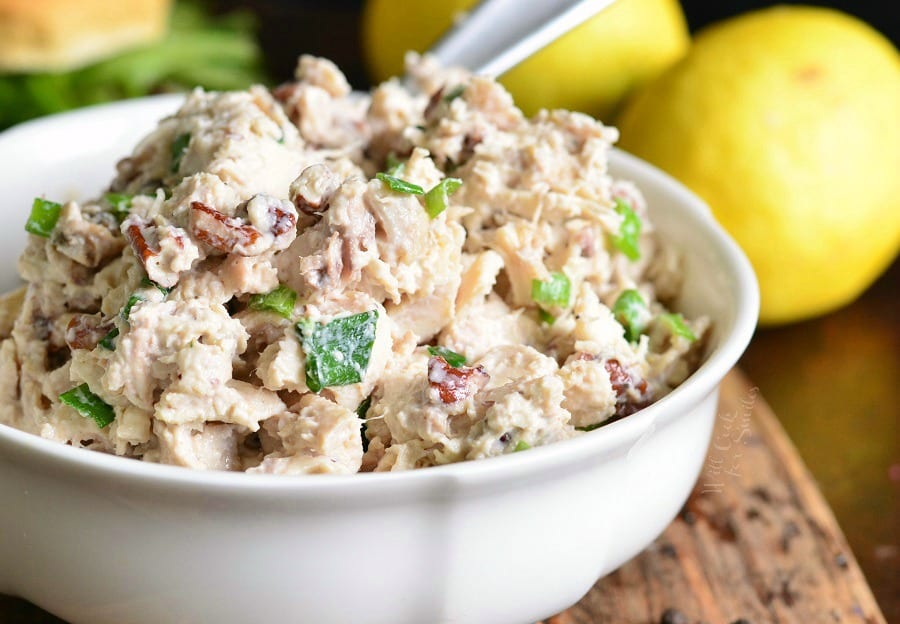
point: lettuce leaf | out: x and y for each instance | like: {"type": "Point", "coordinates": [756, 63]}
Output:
{"type": "Point", "coordinates": [215, 52]}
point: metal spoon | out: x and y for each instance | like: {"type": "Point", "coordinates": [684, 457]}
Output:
{"type": "Point", "coordinates": [498, 34]}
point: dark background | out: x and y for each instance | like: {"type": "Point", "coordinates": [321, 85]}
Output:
{"type": "Point", "coordinates": [330, 28]}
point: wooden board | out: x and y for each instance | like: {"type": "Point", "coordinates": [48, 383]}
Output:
{"type": "Point", "coordinates": [755, 541]}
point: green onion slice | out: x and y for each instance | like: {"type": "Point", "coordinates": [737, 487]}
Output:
{"type": "Point", "coordinates": [361, 412]}
{"type": "Point", "coordinates": [454, 93]}
{"type": "Point", "coordinates": [363, 407]}
{"type": "Point", "coordinates": [400, 186]}
{"type": "Point", "coordinates": [337, 352]}
{"type": "Point", "coordinates": [589, 427]}
{"type": "Point", "coordinates": [179, 147]}
{"type": "Point", "coordinates": [631, 311]}
{"type": "Point", "coordinates": [120, 204]}
{"type": "Point", "coordinates": [132, 301]}
{"type": "Point", "coordinates": [521, 445]}
{"type": "Point", "coordinates": [436, 199]}
{"type": "Point", "coordinates": [108, 341]}
{"type": "Point", "coordinates": [88, 405]}
{"type": "Point", "coordinates": [629, 232]}
{"type": "Point", "coordinates": [553, 292]}
{"type": "Point", "coordinates": [452, 358]}
{"type": "Point", "coordinates": [674, 322]}
{"type": "Point", "coordinates": [137, 297]}
{"type": "Point", "coordinates": [395, 166]}
{"type": "Point", "coordinates": [43, 217]}
{"type": "Point", "coordinates": [281, 301]}
{"type": "Point", "coordinates": [546, 317]}
{"type": "Point", "coordinates": [147, 283]}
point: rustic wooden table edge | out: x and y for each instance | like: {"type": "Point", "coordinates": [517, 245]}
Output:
{"type": "Point", "coordinates": [756, 541]}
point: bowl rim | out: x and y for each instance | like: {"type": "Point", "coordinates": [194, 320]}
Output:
{"type": "Point", "coordinates": [615, 436]}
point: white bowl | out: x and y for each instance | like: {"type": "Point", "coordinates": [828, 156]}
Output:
{"type": "Point", "coordinates": [95, 538]}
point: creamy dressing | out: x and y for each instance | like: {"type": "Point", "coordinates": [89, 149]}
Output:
{"type": "Point", "coordinates": [240, 193]}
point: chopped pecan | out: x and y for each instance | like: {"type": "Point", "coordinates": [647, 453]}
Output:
{"type": "Point", "coordinates": [313, 189]}
{"type": "Point", "coordinates": [470, 142]}
{"type": "Point", "coordinates": [282, 220]}
{"type": "Point", "coordinates": [220, 231]}
{"type": "Point", "coordinates": [587, 241]}
{"type": "Point", "coordinates": [134, 232]}
{"type": "Point", "coordinates": [86, 236]}
{"type": "Point", "coordinates": [285, 91]}
{"type": "Point", "coordinates": [324, 270]}
{"type": "Point", "coordinates": [631, 391]}
{"type": "Point", "coordinates": [455, 384]}
{"type": "Point", "coordinates": [84, 331]}
{"type": "Point", "coordinates": [309, 207]}
{"type": "Point", "coordinates": [233, 235]}
{"type": "Point", "coordinates": [433, 102]}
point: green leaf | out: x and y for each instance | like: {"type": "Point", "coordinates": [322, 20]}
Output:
{"type": "Point", "coordinates": [400, 186]}
{"type": "Point", "coordinates": [629, 232]}
{"type": "Point", "coordinates": [436, 199]}
{"type": "Point", "coordinates": [132, 301]}
{"type": "Point", "coordinates": [553, 292]}
{"type": "Point", "coordinates": [452, 358]}
{"type": "Point", "coordinates": [147, 283]}
{"type": "Point", "coordinates": [361, 412]}
{"type": "Point", "coordinates": [589, 427]}
{"type": "Point", "coordinates": [139, 296]}
{"type": "Point", "coordinates": [120, 204]}
{"type": "Point", "coordinates": [108, 341]}
{"type": "Point", "coordinates": [43, 217]}
{"type": "Point", "coordinates": [454, 93]}
{"type": "Point", "coordinates": [363, 407]}
{"type": "Point", "coordinates": [395, 166]}
{"type": "Point", "coordinates": [674, 322]}
{"type": "Point", "coordinates": [337, 352]}
{"type": "Point", "coordinates": [631, 311]}
{"type": "Point", "coordinates": [546, 317]}
{"type": "Point", "coordinates": [219, 52]}
{"type": "Point", "coordinates": [89, 405]}
{"type": "Point", "coordinates": [281, 301]}
{"type": "Point", "coordinates": [179, 147]}
{"type": "Point", "coordinates": [521, 445]}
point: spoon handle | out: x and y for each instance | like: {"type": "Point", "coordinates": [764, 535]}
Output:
{"type": "Point", "coordinates": [498, 34]}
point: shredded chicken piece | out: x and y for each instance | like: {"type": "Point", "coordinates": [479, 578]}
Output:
{"type": "Point", "coordinates": [259, 300]}
{"type": "Point", "coordinates": [87, 242]}
{"type": "Point", "coordinates": [316, 436]}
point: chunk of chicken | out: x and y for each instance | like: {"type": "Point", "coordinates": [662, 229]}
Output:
{"type": "Point", "coordinates": [481, 327]}
{"type": "Point", "coordinates": [203, 446]}
{"type": "Point", "coordinates": [146, 359]}
{"type": "Point", "coordinates": [316, 437]}
{"type": "Point", "coordinates": [522, 413]}
{"type": "Point", "coordinates": [89, 243]}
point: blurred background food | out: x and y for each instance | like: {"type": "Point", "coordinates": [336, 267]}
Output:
{"type": "Point", "coordinates": [58, 54]}
{"type": "Point", "coordinates": [589, 69]}
{"type": "Point", "coordinates": [55, 35]}
{"type": "Point", "coordinates": [773, 117]}
{"type": "Point", "coordinates": [787, 122]}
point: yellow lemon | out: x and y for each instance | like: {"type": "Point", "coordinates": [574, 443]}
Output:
{"type": "Point", "coordinates": [589, 69]}
{"type": "Point", "coordinates": [787, 122]}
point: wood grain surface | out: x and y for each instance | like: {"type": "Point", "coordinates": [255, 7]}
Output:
{"type": "Point", "coordinates": [755, 543]}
